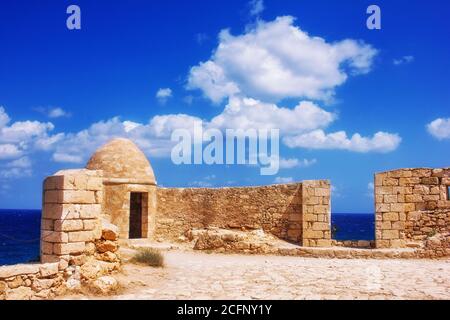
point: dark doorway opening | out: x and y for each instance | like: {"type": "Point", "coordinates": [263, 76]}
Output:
{"type": "Point", "coordinates": [135, 215]}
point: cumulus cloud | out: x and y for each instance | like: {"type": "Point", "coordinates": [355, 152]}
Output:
{"type": "Point", "coordinates": [163, 94]}
{"type": "Point", "coordinates": [8, 151]}
{"type": "Point", "coordinates": [403, 60]}
{"type": "Point", "coordinates": [246, 113]}
{"type": "Point", "coordinates": [256, 7]}
{"type": "Point", "coordinates": [16, 169]}
{"type": "Point", "coordinates": [276, 60]}
{"type": "Point", "coordinates": [380, 142]}
{"type": "Point", "coordinates": [296, 163]}
{"type": "Point", "coordinates": [153, 137]}
{"type": "Point", "coordinates": [440, 128]}
{"type": "Point", "coordinates": [23, 136]}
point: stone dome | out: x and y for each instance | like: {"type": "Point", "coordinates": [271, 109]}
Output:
{"type": "Point", "coordinates": [122, 159]}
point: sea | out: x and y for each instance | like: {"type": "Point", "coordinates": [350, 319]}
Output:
{"type": "Point", "coordinates": [20, 230]}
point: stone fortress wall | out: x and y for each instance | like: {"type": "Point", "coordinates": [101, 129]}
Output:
{"type": "Point", "coordinates": [86, 211]}
{"type": "Point", "coordinates": [412, 208]}
{"type": "Point", "coordinates": [78, 248]}
{"type": "Point", "coordinates": [298, 212]}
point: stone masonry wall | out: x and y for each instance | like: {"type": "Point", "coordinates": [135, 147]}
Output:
{"type": "Point", "coordinates": [70, 215]}
{"type": "Point", "coordinates": [78, 248]}
{"type": "Point", "coordinates": [295, 212]}
{"type": "Point", "coordinates": [276, 209]}
{"type": "Point", "coordinates": [411, 205]}
{"type": "Point", "coordinates": [316, 208]}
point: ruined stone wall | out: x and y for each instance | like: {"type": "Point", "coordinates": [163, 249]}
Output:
{"type": "Point", "coordinates": [295, 212]}
{"type": "Point", "coordinates": [411, 205]}
{"type": "Point", "coordinates": [276, 209]}
{"type": "Point", "coordinates": [70, 214]}
{"type": "Point", "coordinates": [77, 246]}
{"type": "Point", "coordinates": [316, 208]}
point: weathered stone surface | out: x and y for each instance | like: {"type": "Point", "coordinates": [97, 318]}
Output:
{"type": "Point", "coordinates": [49, 269]}
{"type": "Point", "coordinates": [107, 245]}
{"type": "Point", "coordinates": [18, 269]}
{"type": "Point", "coordinates": [105, 285]}
{"type": "Point", "coordinates": [68, 225]}
{"type": "Point", "coordinates": [68, 248]}
{"type": "Point", "coordinates": [109, 231]}
{"type": "Point", "coordinates": [21, 293]}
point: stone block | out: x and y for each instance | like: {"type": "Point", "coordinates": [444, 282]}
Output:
{"type": "Point", "coordinates": [68, 248]}
{"type": "Point", "coordinates": [409, 181]}
{"type": "Point", "coordinates": [80, 236]}
{"type": "Point", "coordinates": [18, 269]}
{"type": "Point", "coordinates": [390, 198]}
{"type": "Point", "coordinates": [310, 217]}
{"type": "Point", "coordinates": [52, 196]}
{"type": "Point", "coordinates": [382, 207]}
{"type": "Point", "coordinates": [400, 173]}
{"type": "Point", "coordinates": [430, 180]}
{"type": "Point", "coordinates": [78, 197]}
{"type": "Point", "coordinates": [46, 224]}
{"type": "Point", "coordinates": [323, 243]}
{"type": "Point", "coordinates": [49, 269]}
{"type": "Point", "coordinates": [390, 234]}
{"type": "Point", "coordinates": [320, 226]}
{"type": "Point", "coordinates": [321, 209]}
{"type": "Point", "coordinates": [69, 225]}
{"type": "Point", "coordinates": [54, 236]}
{"type": "Point", "coordinates": [390, 182]}
{"type": "Point", "coordinates": [312, 234]}
{"type": "Point", "coordinates": [89, 225]}
{"type": "Point", "coordinates": [322, 192]}
{"type": "Point", "coordinates": [398, 225]}
{"type": "Point", "coordinates": [46, 247]}
{"type": "Point", "coordinates": [384, 190]}
{"type": "Point", "coordinates": [413, 198]}
{"type": "Point", "coordinates": [390, 216]}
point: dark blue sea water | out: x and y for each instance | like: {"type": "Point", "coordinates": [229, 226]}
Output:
{"type": "Point", "coordinates": [19, 236]}
{"type": "Point", "coordinates": [353, 226]}
{"type": "Point", "coordinates": [19, 232]}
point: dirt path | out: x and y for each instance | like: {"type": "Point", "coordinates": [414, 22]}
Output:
{"type": "Point", "coordinates": [191, 275]}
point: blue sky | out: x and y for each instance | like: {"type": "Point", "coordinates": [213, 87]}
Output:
{"type": "Point", "coordinates": [65, 92]}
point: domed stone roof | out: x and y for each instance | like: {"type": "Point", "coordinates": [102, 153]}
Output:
{"type": "Point", "coordinates": [122, 159]}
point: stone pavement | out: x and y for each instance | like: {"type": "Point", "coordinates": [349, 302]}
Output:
{"type": "Point", "coordinates": [192, 275]}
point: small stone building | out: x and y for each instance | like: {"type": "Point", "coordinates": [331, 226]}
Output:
{"type": "Point", "coordinates": [129, 187]}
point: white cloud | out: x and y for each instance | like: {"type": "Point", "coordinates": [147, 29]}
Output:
{"type": "Point", "coordinates": [67, 158]}
{"type": "Point", "coordinates": [153, 138]}
{"type": "Point", "coordinates": [256, 7]}
{"type": "Point", "coordinates": [253, 114]}
{"type": "Point", "coordinates": [282, 180]}
{"type": "Point", "coordinates": [440, 128]}
{"type": "Point", "coordinates": [163, 94]}
{"type": "Point", "coordinates": [4, 118]}
{"type": "Point", "coordinates": [296, 163]}
{"type": "Point", "coordinates": [58, 113]}
{"type": "Point", "coordinates": [16, 169]}
{"type": "Point", "coordinates": [276, 60]}
{"type": "Point", "coordinates": [380, 142]}
{"type": "Point", "coordinates": [403, 60]}
{"type": "Point", "coordinates": [23, 162]}
{"type": "Point", "coordinates": [15, 173]}
{"type": "Point", "coordinates": [53, 112]}
{"type": "Point", "coordinates": [8, 151]}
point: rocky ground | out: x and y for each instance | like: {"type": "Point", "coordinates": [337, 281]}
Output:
{"type": "Point", "coordinates": [199, 275]}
